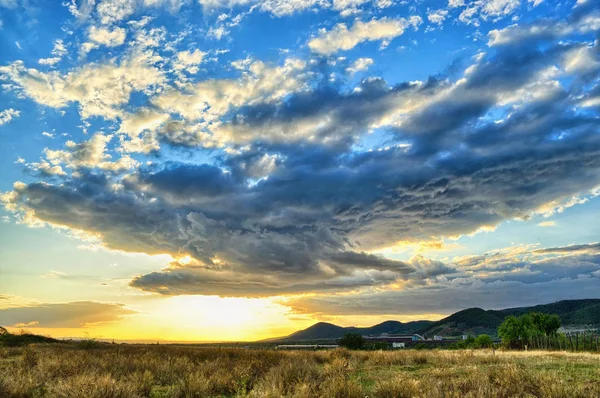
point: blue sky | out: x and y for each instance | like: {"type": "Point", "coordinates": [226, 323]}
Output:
{"type": "Point", "coordinates": [295, 160]}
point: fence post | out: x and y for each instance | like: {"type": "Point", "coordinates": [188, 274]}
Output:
{"type": "Point", "coordinates": [571, 342]}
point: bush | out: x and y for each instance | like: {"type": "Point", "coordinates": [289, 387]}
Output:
{"type": "Point", "coordinates": [89, 344]}
{"type": "Point", "coordinates": [352, 341]}
{"type": "Point", "coordinates": [483, 341]}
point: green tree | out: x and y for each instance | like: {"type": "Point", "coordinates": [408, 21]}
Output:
{"type": "Point", "coordinates": [352, 341]}
{"type": "Point", "coordinates": [509, 331]}
{"type": "Point", "coordinates": [517, 332]}
{"type": "Point", "coordinates": [551, 324]}
{"type": "Point", "coordinates": [483, 341]}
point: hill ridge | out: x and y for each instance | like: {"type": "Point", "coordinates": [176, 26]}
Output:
{"type": "Point", "coordinates": [474, 320]}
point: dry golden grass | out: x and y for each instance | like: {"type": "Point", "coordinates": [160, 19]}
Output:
{"type": "Point", "coordinates": [115, 371]}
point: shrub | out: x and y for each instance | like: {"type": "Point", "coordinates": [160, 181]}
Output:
{"type": "Point", "coordinates": [483, 341]}
{"type": "Point", "coordinates": [352, 341]}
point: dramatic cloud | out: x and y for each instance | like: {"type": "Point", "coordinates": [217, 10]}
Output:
{"type": "Point", "coordinates": [457, 296]}
{"type": "Point", "coordinates": [517, 276]}
{"type": "Point", "coordinates": [63, 315]}
{"type": "Point", "coordinates": [282, 188]}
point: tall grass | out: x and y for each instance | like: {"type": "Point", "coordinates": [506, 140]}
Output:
{"type": "Point", "coordinates": [115, 371]}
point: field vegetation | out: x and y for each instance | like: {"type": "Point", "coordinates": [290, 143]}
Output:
{"type": "Point", "coordinates": [113, 371]}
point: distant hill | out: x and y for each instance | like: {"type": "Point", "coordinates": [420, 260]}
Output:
{"type": "Point", "coordinates": [328, 331]}
{"type": "Point", "coordinates": [573, 313]}
{"type": "Point", "coordinates": [16, 340]}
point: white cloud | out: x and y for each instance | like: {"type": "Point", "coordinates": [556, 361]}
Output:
{"type": "Point", "coordinates": [83, 11]}
{"type": "Point", "coordinates": [210, 99]}
{"type": "Point", "coordinates": [498, 8]}
{"type": "Point", "coordinates": [278, 8]}
{"type": "Point", "coordinates": [484, 9]}
{"type": "Point", "coordinates": [88, 154]}
{"type": "Point", "coordinates": [107, 37]}
{"type": "Point", "coordinates": [359, 65]}
{"type": "Point", "coordinates": [281, 8]}
{"type": "Point", "coordinates": [349, 7]}
{"type": "Point", "coordinates": [100, 36]}
{"type": "Point", "coordinates": [100, 89]}
{"type": "Point", "coordinates": [44, 167]}
{"type": "Point", "coordinates": [437, 16]}
{"type": "Point", "coordinates": [58, 51]}
{"type": "Point", "coordinates": [139, 130]}
{"type": "Point", "coordinates": [114, 11]}
{"type": "Point", "coordinates": [47, 134]}
{"type": "Point", "coordinates": [111, 11]}
{"type": "Point", "coordinates": [342, 38]}
{"type": "Point", "coordinates": [188, 61]}
{"type": "Point", "coordinates": [7, 115]}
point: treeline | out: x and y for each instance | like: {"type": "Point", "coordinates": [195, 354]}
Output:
{"type": "Point", "coordinates": [540, 331]}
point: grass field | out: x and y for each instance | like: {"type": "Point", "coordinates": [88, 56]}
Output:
{"type": "Point", "coordinates": [111, 371]}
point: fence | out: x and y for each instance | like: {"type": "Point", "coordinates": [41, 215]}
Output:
{"type": "Point", "coordinates": [575, 341]}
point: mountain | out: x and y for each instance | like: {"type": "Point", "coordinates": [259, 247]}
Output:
{"type": "Point", "coordinates": [573, 314]}
{"type": "Point", "coordinates": [328, 331]}
{"type": "Point", "coordinates": [470, 321]}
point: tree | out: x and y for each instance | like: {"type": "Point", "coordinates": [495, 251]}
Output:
{"type": "Point", "coordinates": [483, 341]}
{"type": "Point", "coordinates": [545, 324]}
{"type": "Point", "coordinates": [509, 331]}
{"type": "Point", "coordinates": [3, 331]}
{"type": "Point", "coordinates": [352, 341]}
{"type": "Point", "coordinates": [551, 324]}
{"type": "Point", "coordinates": [517, 332]}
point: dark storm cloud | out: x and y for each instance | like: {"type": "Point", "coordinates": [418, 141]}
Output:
{"type": "Point", "coordinates": [206, 281]}
{"type": "Point", "coordinates": [467, 160]}
{"type": "Point", "coordinates": [63, 315]}
{"type": "Point", "coordinates": [191, 180]}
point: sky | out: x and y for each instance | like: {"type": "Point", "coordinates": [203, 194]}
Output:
{"type": "Point", "coordinates": [206, 170]}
